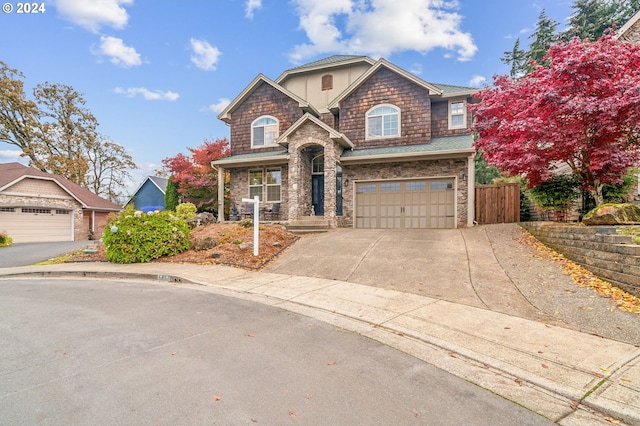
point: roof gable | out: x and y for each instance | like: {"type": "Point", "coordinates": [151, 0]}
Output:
{"type": "Point", "coordinates": [325, 63]}
{"type": "Point", "coordinates": [333, 133]}
{"type": "Point", "coordinates": [11, 173]}
{"type": "Point", "coordinates": [225, 115]}
{"type": "Point", "coordinates": [622, 32]}
{"type": "Point", "coordinates": [432, 89]}
{"type": "Point", "coordinates": [158, 182]}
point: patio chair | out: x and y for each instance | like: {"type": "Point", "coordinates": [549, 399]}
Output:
{"type": "Point", "coordinates": [273, 213]}
{"type": "Point", "coordinates": [247, 211]}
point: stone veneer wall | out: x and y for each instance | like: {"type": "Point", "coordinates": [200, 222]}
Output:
{"type": "Point", "coordinates": [405, 170]}
{"type": "Point", "coordinates": [614, 258]}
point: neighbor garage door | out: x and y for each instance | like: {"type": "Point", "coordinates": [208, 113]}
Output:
{"type": "Point", "coordinates": [405, 204]}
{"type": "Point", "coordinates": [28, 224]}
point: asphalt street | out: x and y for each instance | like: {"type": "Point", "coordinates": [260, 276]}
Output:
{"type": "Point", "coordinates": [124, 352]}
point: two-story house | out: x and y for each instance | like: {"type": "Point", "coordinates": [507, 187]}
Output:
{"type": "Point", "coordinates": [362, 143]}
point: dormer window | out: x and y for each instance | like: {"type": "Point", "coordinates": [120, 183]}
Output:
{"type": "Point", "coordinates": [264, 131]}
{"type": "Point", "coordinates": [383, 121]}
{"type": "Point", "coordinates": [327, 82]}
{"type": "Point", "coordinates": [457, 115]}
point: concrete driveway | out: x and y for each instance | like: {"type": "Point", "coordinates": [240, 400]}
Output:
{"type": "Point", "coordinates": [457, 265]}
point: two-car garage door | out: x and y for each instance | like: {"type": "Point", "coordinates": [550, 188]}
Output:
{"type": "Point", "coordinates": [408, 204]}
{"type": "Point", "coordinates": [28, 224]}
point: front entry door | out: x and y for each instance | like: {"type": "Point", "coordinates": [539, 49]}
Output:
{"type": "Point", "coordinates": [317, 194]}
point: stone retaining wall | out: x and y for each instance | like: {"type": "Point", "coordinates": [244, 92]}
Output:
{"type": "Point", "coordinates": [614, 258]}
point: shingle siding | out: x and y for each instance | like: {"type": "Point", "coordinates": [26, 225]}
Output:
{"type": "Point", "coordinates": [387, 87]}
{"type": "Point", "coordinates": [265, 100]}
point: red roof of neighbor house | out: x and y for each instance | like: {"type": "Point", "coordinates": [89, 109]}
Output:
{"type": "Point", "coordinates": [11, 173]}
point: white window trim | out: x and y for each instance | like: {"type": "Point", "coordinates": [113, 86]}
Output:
{"type": "Point", "coordinates": [464, 114]}
{"type": "Point", "coordinates": [366, 130]}
{"type": "Point", "coordinates": [266, 145]}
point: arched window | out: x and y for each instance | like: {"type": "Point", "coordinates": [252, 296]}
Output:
{"type": "Point", "coordinates": [264, 131]}
{"type": "Point", "coordinates": [383, 121]}
{"type": "Point", "coordinates": [317, 164]}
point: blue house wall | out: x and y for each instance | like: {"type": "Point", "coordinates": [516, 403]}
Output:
{"type": "Point", "coordinates": [148, 196]}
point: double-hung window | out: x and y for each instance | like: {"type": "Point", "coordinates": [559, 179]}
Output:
{"type": "Point", "coordinates": [457, 115]}
{"type": "Point", "coordinates": [383, 121]}
{"type": "Point", "coordinates": [272, 178]}
{"type": "Point", "coordinates": [264, 131]}
{"type": "Point", "coordinates": [274, 183]}
{"type": "Point", "coordinates": [255, 183]}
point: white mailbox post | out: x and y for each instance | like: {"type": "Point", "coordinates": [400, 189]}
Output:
{"type": "Point", "coordinates": [256, 214]}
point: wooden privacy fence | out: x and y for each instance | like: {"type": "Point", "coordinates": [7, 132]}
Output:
{"type": "Point", "coordinates": [498, 203]}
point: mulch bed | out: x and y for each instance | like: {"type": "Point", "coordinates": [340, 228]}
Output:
{"type": "Point", "coordinates": [273, 240]}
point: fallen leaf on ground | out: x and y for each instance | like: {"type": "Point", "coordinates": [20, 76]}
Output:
{"type": "Point", "coordinates": [216, 397]}
{"type": "Point", "coordinates": [584, 278]}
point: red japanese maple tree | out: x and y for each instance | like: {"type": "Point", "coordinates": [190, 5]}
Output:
{"type": "Point", "coordinates": [195, 178]}
{"type": "Point", "coordinates": [582, 111]}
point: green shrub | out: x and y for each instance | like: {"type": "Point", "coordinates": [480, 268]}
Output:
{"type": "Point", "coordinates": [186, 211]}
{"type": "Point", "coordinates": [135, 237]}
{"type": "Point", "coordinates": [5, 239]}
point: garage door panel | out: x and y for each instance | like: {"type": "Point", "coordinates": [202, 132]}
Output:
{"type": "Point", "coordinates": [27, 226]}
{"type": "Point", "coordinates": [411, 204]}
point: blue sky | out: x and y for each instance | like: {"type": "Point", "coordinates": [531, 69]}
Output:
{"type": "Point", "coordinates": [156, 73]}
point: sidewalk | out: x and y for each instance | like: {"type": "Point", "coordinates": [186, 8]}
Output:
{"type": "Point", "coordinates": [572, 378]}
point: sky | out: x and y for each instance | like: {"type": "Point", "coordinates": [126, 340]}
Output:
{"type": "Point", "coordinates": [156, 73]}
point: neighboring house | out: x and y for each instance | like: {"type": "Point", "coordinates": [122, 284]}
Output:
{"type": "Point", "coordinates": [150, 194]}
{"type": "Point", "coordinates": [630, 32]}
{"type": "Point", "coordinates": [36, 207]}
{"type": "Point", "coordinates": [361, 143]}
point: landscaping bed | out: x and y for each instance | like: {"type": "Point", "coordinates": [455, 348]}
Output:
{"type": "Point", "coordinates": [228, 239]}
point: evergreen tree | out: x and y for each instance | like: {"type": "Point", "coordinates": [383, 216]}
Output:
{"type": "Point", "coordinates": [171, 196]}
{"type": "Point", "coordinates": [543, 37]}
{"type": "Point", "coordinates": [591, 19]}
{"type": "Point", "coordinates": [518, 60]}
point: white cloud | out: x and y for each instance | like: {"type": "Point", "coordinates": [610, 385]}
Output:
{"type": "Point", "coordinates": [93, 14]}
{"type": "Point", "coordinates": [118, 52]}
{"type": "Point", "coordinates": [251, 6]}
{"type": "Point", "coordinates": [204, 55]}
{"type": "Point", "coordinates": [147, 94]}
{"type": "Point", "coordinates": [221, 105]}
{"type": "Point", "coordinates": [11, 156]}
{"type": "Point", "coordinates": [477, 81]}
{"type": "Point", "coordinates": [381, 28]}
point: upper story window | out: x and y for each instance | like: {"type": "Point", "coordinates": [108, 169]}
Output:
{"type": "Point", "coordinates": [457, 115]}
{"type": "Point", "coordinates": [264, 131]}
{"type": "Point", "coordinates": [383, 121]}
{"type": "Point", "coordinates": [327, 82]}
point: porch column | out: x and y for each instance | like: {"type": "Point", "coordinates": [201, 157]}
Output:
{"type": "Point", "coordinates": [330, 184]}
{"type": "Point", "coordinates": [293, 183]}
{"type": "Point", "coordinates": [220, 194]}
